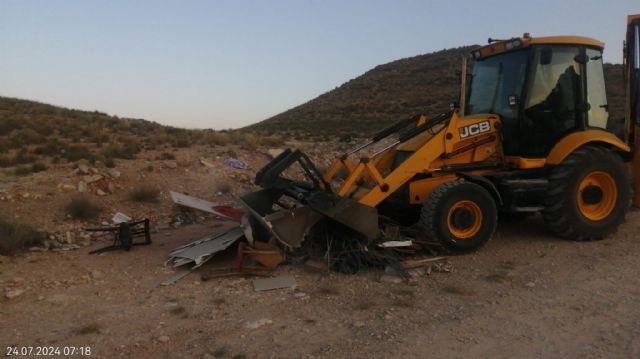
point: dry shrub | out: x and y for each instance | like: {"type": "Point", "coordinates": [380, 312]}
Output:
{"type": "Point", "coordinates": [167, 156]}
{"type": "Point", "coordinates": [75, 153]}
{"type": "Point", "coordinates": [25, 170]}
{"type": "Point", "coordinates": [82, 208]}
{"type": "Point", "coordinates": [219, 139]}
{"type": "Point", "coordinates": [16, 236]}
{"type": "Point", "coordinates": [272, 140]}
{"type": "Point", "coordinates": [144, 194]}
{"type": "Point", "coordinates": [222, 186]}
{"type": "Point", "coordinates": [248, 141]}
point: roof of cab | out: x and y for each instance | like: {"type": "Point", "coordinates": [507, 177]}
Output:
{"type": "Point", "coordinates": [526, 41]}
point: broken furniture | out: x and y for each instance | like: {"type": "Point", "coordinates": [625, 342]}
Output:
{"type": "Point", "coordinates": [124, 234]}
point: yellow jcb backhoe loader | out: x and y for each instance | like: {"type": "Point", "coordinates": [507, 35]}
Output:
{"type": "Point", "coordinates": [531, 134]}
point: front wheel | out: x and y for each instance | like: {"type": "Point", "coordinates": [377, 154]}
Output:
{"type": "Point", "coordinates": [461, 215]}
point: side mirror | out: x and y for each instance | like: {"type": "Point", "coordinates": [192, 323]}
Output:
{"type": "Point", "coordinates": [546, 55]}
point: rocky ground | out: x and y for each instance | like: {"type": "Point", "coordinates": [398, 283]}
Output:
{"type": "Point", "coordinates": [200, 171]}
{"type": "Point", "coordinates": [525, 294]}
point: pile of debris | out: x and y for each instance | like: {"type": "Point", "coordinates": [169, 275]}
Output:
{"type": "Point", "coordinates": [325, 248]}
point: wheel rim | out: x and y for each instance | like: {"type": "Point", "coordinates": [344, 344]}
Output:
{"type": "Point", "coordinates": [597, 195]}
{"type": "Point", "coordinates": [464, 219]}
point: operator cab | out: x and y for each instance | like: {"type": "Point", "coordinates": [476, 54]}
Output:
{"type": "Point", "coordinates": [542, 88]}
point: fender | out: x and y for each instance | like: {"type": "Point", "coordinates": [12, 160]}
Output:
{"type": "Point", "coordinates": [485, 183]}
{"type": "Point", "coordinates": [571, 142]}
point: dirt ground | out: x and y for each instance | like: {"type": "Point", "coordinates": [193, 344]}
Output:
{"type": "Point", "coordinates": [524, 295]}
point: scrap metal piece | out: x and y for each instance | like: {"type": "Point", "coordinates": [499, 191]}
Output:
{"type": "Point", "coordinates": [233, 272]}
{"type": "Point", "coordinates": [176, 277]}
{"type": "Point", "coordinates": [284, 281]}
{"type": "Point", "coordinates": [120, 217]}
{"type": "Point", "coordinates": [287, 226]}
{"type": "Point", "coordinates": [350, 213]}
{"type": "Point", "coordinates": [202, 250]}
{"type": "Point", "coordinates": [395, 244]}
{"type": "Point", "coordinates": [196, 203]}
{"type": "Point", "coordinates": [416, 263]}
{"type": "Point", "coordinates": [268, 255]}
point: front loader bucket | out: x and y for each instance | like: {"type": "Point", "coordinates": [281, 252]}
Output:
{"type": "Point", "coordinates": [316, 201]}
{"type": "Point", "coordinates": [290, 226]}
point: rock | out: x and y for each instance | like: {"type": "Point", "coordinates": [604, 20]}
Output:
{"type": "Point", "coordinates": [17, 281]}
{"type": "Point", "coordinates": [114, 173]}
{"type": "Point", "coordinates": [26, 195]}
{"type": "Point", "coordinates": [93, 178]}
{"type": "Point", "coordinates": [66, 186]}
{"type": "Point", "coordinates": [82, 187]}
{"type": "Point", "coordinates": [100, 192]}
{"type": "Point", "coordinates": [68, 237]}
{"type": "Point", "coordinates": [391, 279]}
{"type": "Point", "coordinates": [258, 323]}
{"type": "Point", "coordinates": [171, 164]}
{"type": "Point", "coordinates": [83, 169]}
{"type": "Point", "coordinates": [530, 284]}
{"type": "Point", "coordinates": [163, 338]}
{"type": "Point", "coordinates": [96, 274]}
{"type": "Point", "coordinates": [300, 295]}
{"type": "Point", "coordinates": [358, 324]}
{"type": "Point", "coordinates": [12, 293]}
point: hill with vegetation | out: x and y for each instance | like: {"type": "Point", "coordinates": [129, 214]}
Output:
{"type": "Point", "coordinates": [34, 135]}
{"type": "Point", "coordinates": [393, 91]}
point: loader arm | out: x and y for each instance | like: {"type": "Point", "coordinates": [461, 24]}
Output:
{"type": "Point", "coordinates": [446, 150]}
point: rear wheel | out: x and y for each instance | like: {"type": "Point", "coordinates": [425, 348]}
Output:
{"type": "Point", "coordinates": [461, 215]}
{"type": "Point", "coordinates": [588, 194]}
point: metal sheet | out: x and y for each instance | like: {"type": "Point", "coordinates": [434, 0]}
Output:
{"type": "Point", "coordinates": [284, 281]}
{"type": "Point", "coordinates": [176, 277]}
{"type": "Point", "coordinates": [287, 226]}
{"type": "Point", "coordinates": [352, 214]}
{"type": "Point", "coordinates": [195, 203]}
{"type": "Point", "coordinates": [210, 237]}
{"type": "Point", "coordinates": [204, 250]}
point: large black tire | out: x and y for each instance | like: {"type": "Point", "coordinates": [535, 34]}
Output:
{"type": "Point", "coordinates": [461, 215]}
{"type": "Point", "coordinates": [588, 195]}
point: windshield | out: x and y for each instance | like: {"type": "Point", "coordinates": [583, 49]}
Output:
{"type": "Point", "coordinates": [496, 84]}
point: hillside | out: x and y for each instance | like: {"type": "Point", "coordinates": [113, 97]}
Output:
{"type": "Point", "coordinates": [34, 135]}
{"type": "Point", "coordinates": [420, 84]}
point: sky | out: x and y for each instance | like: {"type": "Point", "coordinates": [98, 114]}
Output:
{"type": "Point", "coordinates": [227, 64]}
